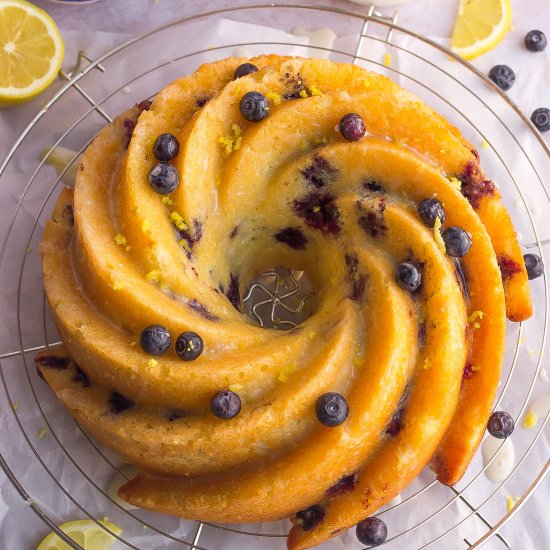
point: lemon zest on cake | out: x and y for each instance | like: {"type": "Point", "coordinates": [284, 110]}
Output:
{"type": "Point", "coordinates": [153, 276]}
{"type": "Point", "coordinates": [312, 334]}
{"type": "Point", "coordinates": [530, 420]}
{"type": "Point", "coordinates": [120, 239]}
{"type": "Point", "coordinates": [274, 97]}
{"type": "Point", "coordinates": [455, 182]}
{"type": "Point", "coordinates": [236, 387]}
{"type": "Point", "coordinates": [167, 200]}
{"type": "Point", "coordinates": [145, 226]}
{"type": "Point", "coordinates": [314, 91]}
{"type": "Point", "coordinates": [437, 236]}
{"type": "Point", "coordinates": [286, 372]}
{"type": "Point", "coordinates": [320, 140]}
{"type": "Point", "coordinates": [475, 315]}
{"type": "Point", "coordinates": [238, 143]}
{"type": "Point", "coordinates": [185, 245]}
{"type": "Point", "coordinates": [178, 221]}
{"type": "Point", "coordinates": [426, 365]}
{"type": "Point", "coordinates": [237, 130]}
{"type": "Point", "coordinates": [227, 142]}
{"type": "Point", "coordinates": [303, 93]}
{"type": "Point", "coordinates": [128, 248]}
{"type": "Point", "coordinates": [152, 363]}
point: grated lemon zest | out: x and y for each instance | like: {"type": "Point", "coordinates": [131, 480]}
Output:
{"type": "Point", "coordinates": [455, 183]}
{"type": "Point", "coordinates": [116, 284]}
{"type": "Point", "coordinates": [152, 363]}
{"type": "Point", "coordinates": [128, 248]}
{"type": "Point", "coordinates": [426, 364]}
{"type": "Point", "coordinates": [227, 142]}
{"type": "Point", "coordinates": [145, 226]}
{"type": "Point", "coordinates": [237, 130]}
{"type": "Point", "coordinates": [314, 91]}
{"type": "Point", "coordinates": [387, 59]}
{"type": "Point", "coordinates": [167, 200]}
{"type": "Point", "coordinates": [442, 151]}
{"type": "Point", "coordinates": [120, 239]}
{"type": "Point", "coordinates": [316, 209]}
{"type": "Point", "coordinates": [530, 420]}
{"type": "Point", "coordinates": [437, 236]}
{"type": "Point", "coordinates": [238, 143]}
{"type": "Point", "coordinates": [320, 140]}
{"type": "Point", "coordinates": [14, 406]}
{"type": "Point", "coordinates": [510, 502]}
{"type": "Point", "coordinates": [236, 387]}
{"type": "Point", "coordinates": [485, 144]}
{"type": "Point", "coordinates": [274, 97]}
{"type": "Point", "coordinates": [42, 432]}
{"type": "Point", "coordinates": [285, 373]}
{"type": "Point", "coordinates": [185, 245]}
{"type": "Point", "coordinates": [303, 93]}
{"type": "Point", "coordinates": [472, 319]}
{"type": "Point", "coordinates": [178, 221]}
{"type": "Point", "coordinates": [153, 276]}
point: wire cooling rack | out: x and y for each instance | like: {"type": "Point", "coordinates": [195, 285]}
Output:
{"type": "Point", "coordinates": [427, 515]}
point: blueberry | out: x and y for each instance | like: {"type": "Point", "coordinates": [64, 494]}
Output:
{"type": "Point", "coordinates": [155, 340]}
{"type": "Point", "coordinates": [164, 178]}
{"type": "Point", "coordinates": [189, 346]}
{"type": "Point", "coordinates": [541, 119]}
{"type": "Point", "coordinates": [225, 404]}
{"type": "Point", "coordinates": [457, 241]}
{"type": "Point", "coordinates": [371, 531]}
{"type": "Point", "coordinates": [500, 425]}
{"type": "Point", "coordinates": [409, 276]}
{"type": "Point", "coordinates": [429, 210]}
{"type": "Point", "coordinates": [244, 69]}
{"type": "Point", "coordinates": [254, 106]}
{"type": "Point", "coordinates": [166, 147]}
{"type": "Point", "coordinates": [307, 519]}
{"type": "Point", "coordinates": [502, 76]}
{"type": "Point", "coordinates": [533, 264]}
{"type": "Point", "coordinates": [352, 127]}
{"type": "Point", "coordinates": [331, 409]}
{"type": "Point", "coordinates": [535, 41]}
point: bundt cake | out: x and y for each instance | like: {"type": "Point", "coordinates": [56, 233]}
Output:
{"type": "Point", "coordinates": [322, 167]}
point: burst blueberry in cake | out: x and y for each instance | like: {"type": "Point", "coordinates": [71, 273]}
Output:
{"type": "Point", "coordinates": [322, 167]}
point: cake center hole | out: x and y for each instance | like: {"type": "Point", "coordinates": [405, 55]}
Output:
{"type": "Point", "coordinates": [280, 298]}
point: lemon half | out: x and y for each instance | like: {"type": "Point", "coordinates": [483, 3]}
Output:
{"type": "Point", "coordinates": [480, 25]}
{"type": "Point", "coordinates": [85, 532]}
{"type": "Point", "coordinates": [31, 51]}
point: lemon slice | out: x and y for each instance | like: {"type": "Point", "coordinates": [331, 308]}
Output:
{"type": "Point", "coordinates": [480, 25]}
{"type": "Point", "coordinates": [31, 51]}
{"type": "Point", "coordinates": [85, 532]}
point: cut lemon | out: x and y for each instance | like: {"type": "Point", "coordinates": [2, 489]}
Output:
{"type": "Point", "coordinates": [480, 25]}
{"type": "Point", "coordinates": [31, 51]}
{"type": "Point", "coordinates": [85, 532]}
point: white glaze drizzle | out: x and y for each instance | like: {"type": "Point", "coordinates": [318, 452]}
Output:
{"type": "Point", "coordinates": [503, 463]}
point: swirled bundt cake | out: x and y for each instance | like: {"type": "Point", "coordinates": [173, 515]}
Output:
{"type": "Point", "coordinates": [322, 167]}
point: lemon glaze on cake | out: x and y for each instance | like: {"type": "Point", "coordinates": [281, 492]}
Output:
{"type": "Point", "coordinates": [285, 190]}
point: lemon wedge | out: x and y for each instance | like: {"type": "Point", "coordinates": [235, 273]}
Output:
{"type": "Point", "coordinates": [85, 532]}
{"type": "Point", "coordinates": [31, 51]}
{"type": "Point", "coordinates": [480, 25]}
